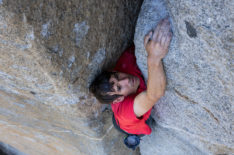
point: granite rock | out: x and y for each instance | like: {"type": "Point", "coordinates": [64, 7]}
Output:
{"type": "Point", "coordinates": [196, 114]}
{"type": "Point", "coordinates": [49, 53]}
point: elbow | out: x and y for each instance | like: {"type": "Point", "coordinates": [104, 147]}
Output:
{"type": "Point", "coordinates": [159, 95]}
{"type": "Point", "coordinates": [161, 92]}
{"type": "Point", "coordinates": [155, 97]}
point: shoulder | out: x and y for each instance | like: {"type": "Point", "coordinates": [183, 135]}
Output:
{"type": "Point", "coordinates": [124, 109]}
{"type": "Point", "coordinates": [126, 60]}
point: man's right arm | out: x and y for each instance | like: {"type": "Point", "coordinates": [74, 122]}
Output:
{"type": "Point", "coordinates": [156, 45]}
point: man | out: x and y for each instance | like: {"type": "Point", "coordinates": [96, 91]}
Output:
{"type": "Point", "coordinates": [125, 88]}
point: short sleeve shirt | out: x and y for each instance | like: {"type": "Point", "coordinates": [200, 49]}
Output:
{"type": "Point", "coordinates": [123, 111]}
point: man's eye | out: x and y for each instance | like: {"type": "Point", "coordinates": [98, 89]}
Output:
{"type": "Point", "coordinates": [119, 88]}
{"type": "Point", "coordinates": [112, 84]}
{"type": "Point", "coordinates": [116, 76]}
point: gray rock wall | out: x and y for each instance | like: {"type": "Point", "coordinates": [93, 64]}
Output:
{"type": "Point", "coordinates": [196, 114]}
{"type": "Point", "coordinates": [51, 50]}
{"type": "Point", "coordinates": [49, 53]}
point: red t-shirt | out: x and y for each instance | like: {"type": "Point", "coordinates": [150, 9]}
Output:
{"type": "Point", "coordinates": [123, 111]}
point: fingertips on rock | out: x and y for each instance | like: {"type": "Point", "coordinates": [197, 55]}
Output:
{"type": "Point", "coordinates": [151, 33]}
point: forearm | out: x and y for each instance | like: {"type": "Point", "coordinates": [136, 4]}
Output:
{"type": "Point", "coordinates": [156, 45]}
{"type": "Point", "coordinates": [155, 87]}
{"type": "Point", "coordinates": [156, 78]}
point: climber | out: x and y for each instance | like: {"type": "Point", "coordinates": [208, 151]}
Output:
{"type": "Point", "coordinates": [124, 87]}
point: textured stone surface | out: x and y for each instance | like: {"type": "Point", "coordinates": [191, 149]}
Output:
{"type": "Point", "coordinates": [51, 50]}
{"type": "Point", "coordinates": [49, 53]}
{"type": "Point", "coordinates": [196, 114]}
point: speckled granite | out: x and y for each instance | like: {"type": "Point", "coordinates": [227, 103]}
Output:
{"type": "Point", "coordinates": [196, 114]}
{"type": "Point", "coordinates": [50, 51]}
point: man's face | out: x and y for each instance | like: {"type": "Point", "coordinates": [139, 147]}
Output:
{"type": "Point", "coordinates": [124, 84]}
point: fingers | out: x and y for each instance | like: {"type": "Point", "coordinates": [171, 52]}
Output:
{"type": "Point", "coordinates": [162, 34]}
{"type": "Point", "coordinates": [157, 30]}
{"type": "Point", "coordinates": [165, 28]}
{"type": "Point", "coordinates": [167, 40]}
{"type": "Point", "coordinates": [162, 27]}
{"type": "Point", "coordinates": [166, 25]}
{"type": "Point", "coordinates": [163, 40]}
{"type": "Point", "coordinates": [147, 38]}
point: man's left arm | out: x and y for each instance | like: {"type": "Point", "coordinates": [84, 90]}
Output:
{"type": "Point", "coordinates": [156, 45]}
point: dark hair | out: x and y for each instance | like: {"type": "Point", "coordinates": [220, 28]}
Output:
{"type": "Point", "coordinates": [101, 86]}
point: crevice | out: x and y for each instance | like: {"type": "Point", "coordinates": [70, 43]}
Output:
{"type": "Point", "coordinates": [185, 97]}
{"type": "Point", "coordinates": [193, 102]}
{"type": "Point", "coordinates": [211, 114]}
{"type": "Point", "coordinates": [6, 149]}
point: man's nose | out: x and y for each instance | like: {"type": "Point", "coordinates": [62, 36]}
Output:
{"type": "Point", "coordinates": [124, 81]}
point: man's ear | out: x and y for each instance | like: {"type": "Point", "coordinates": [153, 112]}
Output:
{"type": "Point", "coordinates": [119, 99]}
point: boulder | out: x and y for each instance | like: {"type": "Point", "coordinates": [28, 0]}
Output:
{"type": "Point", "coordinates": [50, 51]}
{"type": "Point", "coordinates": [196, 114]}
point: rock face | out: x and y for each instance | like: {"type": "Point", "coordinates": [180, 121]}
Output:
{"type": "Point", "coordinates": [49, 53]}
{"type": "Point", "coordinates": [196, 114]}
{"type": "Point", "coordinates": [51, 50]}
